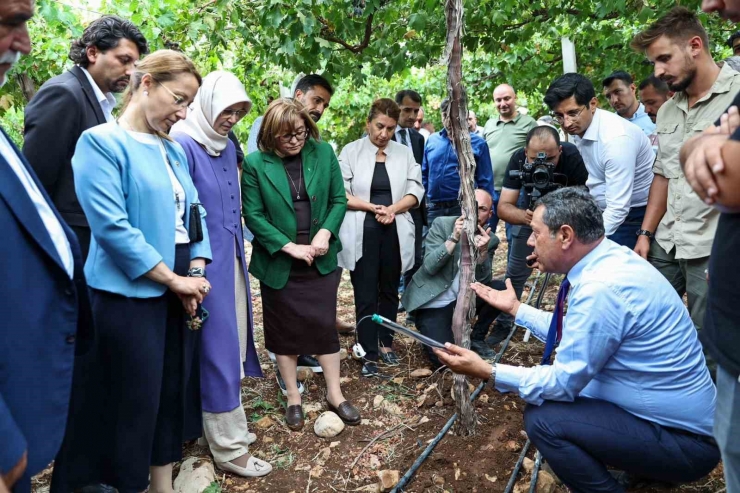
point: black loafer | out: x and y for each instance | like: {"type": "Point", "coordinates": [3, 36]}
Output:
{"type": "Point", "coordinates": [347, 412]}
{"type": "Point", "coordinates": [294, 417]}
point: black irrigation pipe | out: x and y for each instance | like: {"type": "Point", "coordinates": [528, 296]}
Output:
{"type": "Point", "coordinates": [535, 472]}
{"type": "Point", "coordinates": [512, 479]}
{"type": "Point", "coordinates": [427, 451]}
{"type": "Point", "coordinates": [538, 457]}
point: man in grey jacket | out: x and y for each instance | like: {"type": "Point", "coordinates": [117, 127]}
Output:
{"type": "Point", "coordinates": [434, 288]}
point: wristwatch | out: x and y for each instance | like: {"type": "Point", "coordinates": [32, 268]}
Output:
{"type": "Point", "coordinates": [453, 239]}
{"type": "Point", "coordinates": [644, 232]}
{"type": "Point", "coordinates": [197, 272]}
{"type": "Point", "coordinates": [492, 378]}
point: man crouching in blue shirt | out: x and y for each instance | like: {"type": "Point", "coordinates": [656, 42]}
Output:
{"type": "Point", "coordinates": [629, 388]}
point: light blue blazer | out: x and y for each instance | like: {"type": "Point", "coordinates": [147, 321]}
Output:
{"type": "Point", "coordinates": [126, 193]}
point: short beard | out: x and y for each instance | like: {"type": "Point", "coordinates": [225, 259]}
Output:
{"type": "Point", "coordinates": [682, 85]}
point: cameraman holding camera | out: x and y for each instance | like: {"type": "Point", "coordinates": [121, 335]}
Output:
{"type": "Point", "coordinates": [543, 165]}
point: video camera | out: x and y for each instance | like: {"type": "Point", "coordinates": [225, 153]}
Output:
{"type": "Point", "coordinates": [538, 178]}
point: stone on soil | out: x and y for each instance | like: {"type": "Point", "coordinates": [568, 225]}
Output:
{"type": "Point", "coordinates": [305, 374]}
{"type": "Point", "coordinates": [388, 479]}
{"type": "Point", "coordinates": [195, 475]}
{"type": "Point", "coordinates": [264, 423]}
{"type": "Point", "coordinates": [421, 373]}
{"type": "Point", "coordinates": [328, 425]}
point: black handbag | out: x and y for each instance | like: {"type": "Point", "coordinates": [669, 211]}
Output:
{"type": "Point", "coordinates": [195, 228]}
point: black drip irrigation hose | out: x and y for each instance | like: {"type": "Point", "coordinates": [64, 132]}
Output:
{"type": "Point", "coordinates": [425, 454]}
{"type": "Point", "coordinates": [535, 472]}
{"type": "Point", "coordinates": [538, 457]}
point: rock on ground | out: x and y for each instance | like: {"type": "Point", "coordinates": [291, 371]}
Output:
{"type": "Point", "coordinates": [328, 425]}
{"type": "Point", "coordinates": [195, 475]}
{"type": "Point", "coordinates": [388, 479]}
{"type": "Point", "coordinates": [421, 373]}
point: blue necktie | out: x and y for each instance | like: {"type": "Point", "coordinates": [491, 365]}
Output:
{"type": "Point", "coordinates": [556, 324]}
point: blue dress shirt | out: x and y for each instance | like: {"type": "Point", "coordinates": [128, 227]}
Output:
{"type": "Point", "coordinates": [642, 120]}
{"type": "Point", "coordinates": [439, 168]}
{"type": "Point", "coordinates": [627, 339]}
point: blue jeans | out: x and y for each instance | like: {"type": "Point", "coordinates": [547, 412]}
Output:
{"type": "Point", "coordinates": [580, 439]}
{"type": "Point", "coordinates": [625, 233]}
{"type": "Point", "coordinates": [727, 427]}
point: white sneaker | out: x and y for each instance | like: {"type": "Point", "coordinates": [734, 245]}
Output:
{"type": "Point", "coordinates": [255, 468]}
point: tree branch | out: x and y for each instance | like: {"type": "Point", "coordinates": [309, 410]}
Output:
{"type": "Point", "coordinates": [327, 34]}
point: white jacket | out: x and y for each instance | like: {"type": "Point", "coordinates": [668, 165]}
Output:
{"type": "Point", "coordinates": [357, 161]}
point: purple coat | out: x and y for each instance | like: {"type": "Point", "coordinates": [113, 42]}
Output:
{"type": "Point", "coordinates": [217, 181]}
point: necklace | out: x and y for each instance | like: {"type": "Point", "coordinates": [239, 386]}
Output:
{"type": "Point", "coordinates": [300, 177]}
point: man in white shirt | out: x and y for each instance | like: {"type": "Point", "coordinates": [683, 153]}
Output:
{"type": "Point", "coordinates": [43, 298]}
{"type": "Point", "coordinates": [618, 155]}
{"type": "Point", "coordinates": [81, 98]}
{"type": "Point", "coordinates": [409, 101]}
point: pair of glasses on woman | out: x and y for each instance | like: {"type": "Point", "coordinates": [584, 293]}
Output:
{"type": "Point", "coordinates": [299, 136]}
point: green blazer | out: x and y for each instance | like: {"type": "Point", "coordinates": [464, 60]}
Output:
{"type": "Point", "coordinates": [268, 211]}
{"type": "Point", "coordinates": [440, 268]}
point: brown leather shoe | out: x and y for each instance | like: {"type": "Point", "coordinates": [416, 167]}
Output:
{"type": "Point", "coordinates": [344, 327]}
{"type": "Point", "coordinates": [347, 412]}
{"type": "Point", "coordinates": [294, 417]}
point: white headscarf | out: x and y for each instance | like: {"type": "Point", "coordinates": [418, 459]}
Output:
{"type": "Point", "coordinates": [219, 90]}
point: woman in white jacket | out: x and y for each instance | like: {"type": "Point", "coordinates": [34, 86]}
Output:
{"type": "Point", "coordinates": [383, 181]}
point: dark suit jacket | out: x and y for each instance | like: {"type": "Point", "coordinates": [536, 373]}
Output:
{"type": "Point", "coordinates": [42, 310]}
{"type": "Point", "coordinates": [64, 107]}
{"type": "Point", "coordinates": [417, 147]}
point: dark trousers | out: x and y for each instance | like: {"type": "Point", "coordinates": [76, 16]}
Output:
{"type": "Point", "coordinates": [418, 244]}
{"type": "Point", "coordinates": [135, 395]}
{"type": "Point", "coordinates": [516, 268]}
{"type": "Point", "coordinates": [437, 322]}
{"type": "Point", "coordinates": [83, 237]}
{"type": "Point", "coordinates": [442, 209]}
{"type": "Point", "coordinates": [625, 233]}
{"type": "Point", "coordinates": [375, 281]}
{"type": "Point", "coordinates": [580, 439]}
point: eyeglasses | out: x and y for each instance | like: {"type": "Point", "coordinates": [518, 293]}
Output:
{"type": "Point", "coordinates": [573, 115]}
{"type": "Point", "coordinates": [299, 136]}
{"type": "Point", "coordinates": [237, 113]}
{"type": "Point", "coordinates": [180, 102]}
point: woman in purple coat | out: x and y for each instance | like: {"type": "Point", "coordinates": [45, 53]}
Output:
{"type": "Point", "coordinates": [228, 352]}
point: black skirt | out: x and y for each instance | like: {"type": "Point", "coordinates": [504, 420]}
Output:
{"type": "Point", "coordinates": [135, 395]}
{"type": "Point", "coordinates": [301, 317]}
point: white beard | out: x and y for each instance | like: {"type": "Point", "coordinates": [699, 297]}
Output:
{"type": "Point", "coordinates": [12, 58]}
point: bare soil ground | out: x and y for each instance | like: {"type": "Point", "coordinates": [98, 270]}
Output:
{"type": "Point", "coordinates": [393, 432]}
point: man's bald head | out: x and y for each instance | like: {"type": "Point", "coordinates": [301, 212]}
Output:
{"type": "Point", "coordinates": [505, 99]}
{"type": "Point", "coordinates": [472, 121]}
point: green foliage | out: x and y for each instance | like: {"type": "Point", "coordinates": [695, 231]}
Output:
{"type": "Point", "coordinates": [367, 48]}
{"type": "Point", "coordinates": [214, 487]}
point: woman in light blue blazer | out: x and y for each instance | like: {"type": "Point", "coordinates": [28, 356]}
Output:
{"type": "Point", "coordinates": [136, 396]}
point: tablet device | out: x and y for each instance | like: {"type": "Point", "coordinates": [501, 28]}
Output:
{"type": "Point", "coordinates": [407, 332]}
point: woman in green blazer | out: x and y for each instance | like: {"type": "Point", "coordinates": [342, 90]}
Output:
{"type": "Point", "coordinates": [293, 201]}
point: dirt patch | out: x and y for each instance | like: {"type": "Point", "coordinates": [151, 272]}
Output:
{"type": "Point", "coordinates": [402, 415]}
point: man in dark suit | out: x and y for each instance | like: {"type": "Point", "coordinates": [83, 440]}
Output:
{"type": "Point", "coordinates": [43, 299]}
{"type": "Point", "coordinates": [410, 103]}
{"type": "Point", "coordinates": [79, 99]}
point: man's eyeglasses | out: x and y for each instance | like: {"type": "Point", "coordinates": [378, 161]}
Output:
{"type": "Point", "coordinates": [239, 114]}
{"type": "Point", "coordinates": [180, 102]}
{"type": "Point", "coordinates": [299, 136]}
{"type": "Point", "coordinates": [572, 115]}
